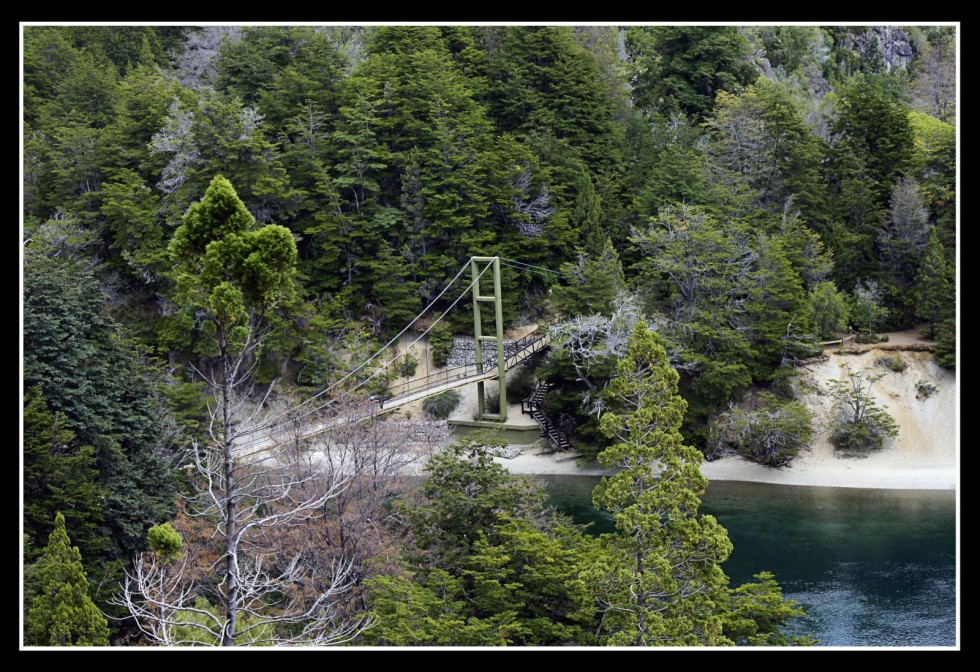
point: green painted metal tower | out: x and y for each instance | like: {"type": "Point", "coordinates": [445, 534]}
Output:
{"type": "Point", "coordinates": [480, 339]}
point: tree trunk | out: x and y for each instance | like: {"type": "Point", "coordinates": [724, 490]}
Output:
{"type": "Point", "coordinates": [641, 620]}
{"type": "Point", "coordinates": [231, 544]}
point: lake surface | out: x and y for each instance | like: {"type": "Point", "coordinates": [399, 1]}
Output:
{"type": "Point", "coordinates": [871, 568]}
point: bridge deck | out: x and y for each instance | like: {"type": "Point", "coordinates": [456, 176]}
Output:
{"type": "Point", "coordinates": [427, 390]}
{"type": "Point", "coordinates": [439, 388]}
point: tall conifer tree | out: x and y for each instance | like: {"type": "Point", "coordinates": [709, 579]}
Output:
{"type": "Point", "coordinates": [62, 613]}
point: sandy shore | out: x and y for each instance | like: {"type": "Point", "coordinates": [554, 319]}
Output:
{"type": "Point", "coordinates": [877, 471]}
{"type": "Point", "coordinates": [923, 457]}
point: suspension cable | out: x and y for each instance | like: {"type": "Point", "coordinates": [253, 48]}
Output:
{"type": "Point", "coordinates": [268, 422]}
{"type": "Point", "coordinates": [434, 323]}
{"type": "Point", "coordinates": [522, 266]}
{"type": "Point", "coordinates": [369, 378]}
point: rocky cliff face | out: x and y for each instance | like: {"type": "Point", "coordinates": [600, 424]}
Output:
{"type": "Point", "coordinates": [890, 43]}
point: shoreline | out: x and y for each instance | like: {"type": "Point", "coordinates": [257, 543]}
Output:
{"type": "Point", "coordinates": [924, 456]}
{"type": "Point", "coordinates": [884, 471]}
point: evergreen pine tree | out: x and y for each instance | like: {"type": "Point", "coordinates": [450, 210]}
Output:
{"type": "Point", "coordinates": [73, 355]}
{"type": "Point", "coordinates": [596, 280]}
{"type": "Point", "coordinates": [662, 582]}
{"type": "Point", "coordinates": [935, 289]}
{"type": "Point", "coordinates": [63, 614]}
{"type": "Point", "coordinates": [776, 307]}
{"type": "Point", "coordinates": [665, 581]}
{"type": "Point", "coordinates": [681, 68]}
{"type": "Point", "coordinates": [59, 475]}
{"type": "Point", "coordinates": [398, 296]}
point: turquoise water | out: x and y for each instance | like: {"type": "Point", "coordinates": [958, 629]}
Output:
{"type": "Point", "coordinates": [871, 567]}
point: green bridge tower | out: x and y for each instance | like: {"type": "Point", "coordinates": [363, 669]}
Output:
{"type": "Point", "coordinates": [480, 339]}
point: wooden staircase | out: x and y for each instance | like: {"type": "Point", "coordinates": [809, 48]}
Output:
{"type": "Point", "coordinates": [534, 406]}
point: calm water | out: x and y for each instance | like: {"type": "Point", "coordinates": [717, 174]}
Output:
{"type": "Point", "coordinates": [870, 567]}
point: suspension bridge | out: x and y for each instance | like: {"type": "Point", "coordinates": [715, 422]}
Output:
{"type": "Point", "coordinates": [313, 416]}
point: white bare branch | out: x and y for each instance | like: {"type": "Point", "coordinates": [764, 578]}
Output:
{"type": "Point", "coordinates": [306, 520]}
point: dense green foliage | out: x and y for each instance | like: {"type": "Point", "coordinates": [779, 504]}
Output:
{"type": "Point", "coordinates": [440, 342]}
{"type": "Point", "coordinates": [946, 343]}
{"type": "Point", "coordinates": [682, 69]}
{"type": "Point", "coordinates": [828, 310]}
{"type": "Point", "coordinates": [662, 582]}
{"type": "Point", "coordinates": [773, 433]}
{"type": "Point", "coordinates": [62, 613]}
{"type": "Point", "coordinates": [668, 583]}
{"type": "Point", "coordinates": [441, 405]}
{"type": "Point", "coordinates": [935, 285]}
{"type": "Point", "coordinates": [95, 442]}
{"type": "Point", "coordinates": [295, 195]}
{"type": "Point", "coordinates": [236, 275]}
{"type": "Point", "coordinates": [59, 476]}
{"type": "Point", "coordinates": [489, 566]}
{"type": "Point", "coordinates": [594, 283]}
{"type": "Point", "coordinates": [396, 152]}
{"type": "Point", "coordinates": [164, 540]}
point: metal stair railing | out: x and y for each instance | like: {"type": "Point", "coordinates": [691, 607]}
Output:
{"type": "Point", "coordinates": [533, 405]}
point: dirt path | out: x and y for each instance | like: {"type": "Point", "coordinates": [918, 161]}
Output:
{"type": "Point", "coordinates": [909, 339]}
{"type": "Point", "coordinates": [908, 336]}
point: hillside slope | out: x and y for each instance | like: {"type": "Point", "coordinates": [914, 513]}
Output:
{"type": "Point", "coordinates": [927, 440]}
{"type": "Point", "coordinates": [923, 456]}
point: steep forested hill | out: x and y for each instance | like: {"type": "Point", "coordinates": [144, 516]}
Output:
{"type": "Point", "coordinates": [749, 191]}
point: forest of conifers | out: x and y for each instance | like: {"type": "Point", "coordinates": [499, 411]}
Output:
{"type": "Point", "coordinates": [217, 212]}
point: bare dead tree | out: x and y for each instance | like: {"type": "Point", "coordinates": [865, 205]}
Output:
{"type": "Point", "coordinates": [250, 501]}
{"type": "Point", "coordinates": [590, 339]}
{"type": "Point", "coordinates": [176, 140]}
{"type": "Point", "coordinates": [909, 225]}
{"type": "Point", "coordinates": [350, 42]}
{"type": "Point", "coordinates": [61, 236]}
{"type": "Point", "coordinates": [282, 562]}
{"type": "Point", "coordinates": [706, 263]}
{"type": "Point", "coordinates": [380, 457]}
{"type": "Point", "coordinates": [819, 264]}
{"type": "Point", "coordinates": [529, 210]}
{"type": "Point", "coordinates": [377, 453]}
{"type": "Point", "coordinates": [263, 595]}
{"type": "Point", "coordinates": [742, 150]}
{"type": "Point", "coordinates": [195, 65]}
